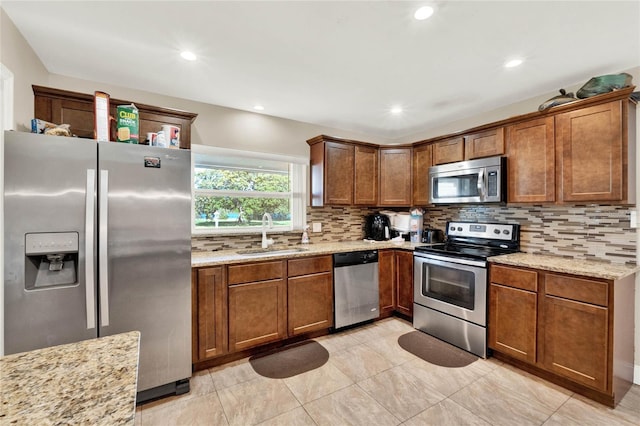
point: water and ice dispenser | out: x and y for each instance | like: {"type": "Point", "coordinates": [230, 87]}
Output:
{"type": "Point", "coordinates": [51, 259]}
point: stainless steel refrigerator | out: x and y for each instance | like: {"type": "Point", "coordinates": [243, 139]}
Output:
{"type": "Point", "coordinates": [98, 242]}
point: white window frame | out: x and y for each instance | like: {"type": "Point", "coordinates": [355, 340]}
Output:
{"type": "Point", "coordinates": [298, 194]}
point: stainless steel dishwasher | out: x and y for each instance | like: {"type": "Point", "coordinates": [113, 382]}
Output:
{"type": "Point", "coordinates": [355, 287]}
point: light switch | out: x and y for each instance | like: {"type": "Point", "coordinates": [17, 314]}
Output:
{"type": "Point", "coordinates": [634, 218]}
{"type": "Point", "coordinates": [317, 227]}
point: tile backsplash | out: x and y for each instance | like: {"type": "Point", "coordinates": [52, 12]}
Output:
{"type": "Point", "coordinates": [577, 231]}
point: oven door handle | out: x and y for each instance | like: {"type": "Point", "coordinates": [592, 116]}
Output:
{"type": "Point", "coordinates": [448, 261]}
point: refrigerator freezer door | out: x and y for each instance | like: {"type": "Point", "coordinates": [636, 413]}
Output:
{"type": "Point", "coordinates": [46, 182]}
{"type": "Point", "coordinates": [147, 217]}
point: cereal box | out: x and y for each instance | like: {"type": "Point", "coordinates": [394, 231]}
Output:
{"type": "Point", "coordinates": [127, 124]}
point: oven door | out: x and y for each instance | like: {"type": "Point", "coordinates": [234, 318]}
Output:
{"type": "Point", "coordinates": [454, 288]}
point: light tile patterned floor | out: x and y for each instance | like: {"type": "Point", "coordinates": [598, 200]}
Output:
{"type": "Point", "coordinates": [370, 380]}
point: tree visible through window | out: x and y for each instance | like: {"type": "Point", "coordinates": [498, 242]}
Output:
{"type": "Point", "coordinates": [239, 198]}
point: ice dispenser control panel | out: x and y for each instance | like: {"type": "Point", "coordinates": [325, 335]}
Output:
{"type": "Point", "coordinates": [51, 242]}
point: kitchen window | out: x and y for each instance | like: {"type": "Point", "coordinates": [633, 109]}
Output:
{"type": "Point", "coordinates": [233, 189]}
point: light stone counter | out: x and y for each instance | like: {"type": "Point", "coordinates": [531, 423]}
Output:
{"type": "Point", "coordinates": [589, 268]}
{"type": "Point", "coordinates": [92, 382]}
{"type": "Point", "coordinates": [226, 257]}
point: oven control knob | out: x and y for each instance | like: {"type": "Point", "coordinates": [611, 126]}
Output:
{"type": "Point", "coordinates": [453, 228]}
{"type": "Point", "coordinates": [460, 228]}
{"type": "Point", "coordinates": [496, 231]}
{"type": "Point", "coordinates": [505, 232]}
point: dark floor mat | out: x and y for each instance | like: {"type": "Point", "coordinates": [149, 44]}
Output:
{"type": "Point", "coordinates": [290, 360]}
{"type": "Point", "coordinates": [435, 351]}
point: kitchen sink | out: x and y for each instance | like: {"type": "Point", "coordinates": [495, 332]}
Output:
{"type": "Point", "coordinates": [271, 251]}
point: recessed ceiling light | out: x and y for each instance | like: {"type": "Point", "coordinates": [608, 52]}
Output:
{"type": "Point", "coordinates": [189, 56]}
{"type": "Point", "coordinates": [513, 63]}
{"type": "Point", "coordinates": [423, 13]}
{"type": "Point", "coordinates": [258, 107]}
{"type": "Point", "coordinates": [396, 110]}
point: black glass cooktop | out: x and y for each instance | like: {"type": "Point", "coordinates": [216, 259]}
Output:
{"type": "Point", "coordinates": [464, 250]}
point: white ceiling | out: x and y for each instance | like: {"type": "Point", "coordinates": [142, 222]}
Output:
{"type": "Point", "coordinates": [341, 64]}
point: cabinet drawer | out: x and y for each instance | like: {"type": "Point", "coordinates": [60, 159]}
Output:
{"type": "Point", "coordinates": [250, 272]}
{"type": "Point", "coordinates": [579, 289]}
{"type": "Point", "coordinates": [512, 277]}
{"type": "Point", "coordinates": [309, 265]}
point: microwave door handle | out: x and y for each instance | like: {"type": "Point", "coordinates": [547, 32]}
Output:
{"type": "Point", "coordinates": [481, 184]}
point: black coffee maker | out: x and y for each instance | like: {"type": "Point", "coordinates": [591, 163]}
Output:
{"type": "Point", "coordinates": [377, 227]}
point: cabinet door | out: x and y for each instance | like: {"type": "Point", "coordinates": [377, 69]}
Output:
{"type": "Point", "coordinates": [310, 303]}
{"type": "Point", "coordinates": [395, 177]}
{"type": "Point", "coordinates": [590, 144]}
{"type": "Point", "coordinates": [365, 191]}
{"type": "Point", "coordinates": [421, 163]}
{"type": "Point", "coordinates": [386, 282]}
{"type": "Point", "coordinates": [484, 144]}
{"type": "Point", "coordinates": [531, 161]}
{"type": "Point", "coordinates": [257, 313]}
{"type": "Point", "coordinates": [338, 173]}
{"type": "Point", "coordinates": [404, 278]}
{"type": "Point", "coordinates": [513, 322]}
{"type": "Point", "coordinates": [79, 115]}
{"type": "Point", "coordinates": [448, 151]}
{"type": "Point", "coordinates": [211, 313]}
{"type": "Point", "coordinates": [576, 340]}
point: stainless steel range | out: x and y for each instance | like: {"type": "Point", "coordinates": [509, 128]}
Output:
{"type": "Point", "coordinates": [450, 282]}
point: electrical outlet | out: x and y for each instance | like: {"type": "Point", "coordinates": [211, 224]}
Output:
{"type": "Point", "coordinates": [317, 227]}
{"type": "Point", "coordinates": [634, 218]}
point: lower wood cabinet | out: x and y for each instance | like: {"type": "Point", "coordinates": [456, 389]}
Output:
{"type": "Point", "coordinates": [404, 279]}
{"type": "Point", "coordinates": [386, 282]}
{"type": "Point", "coordinates": [210, 313]}
{"type": "Point", "coordinates": [395, 280]}
{"type": "Point", "coordinates": [513, 312]}
{"type": "Point", "coordinates": [257, 304]}
{"type": "Point", "coordinates": [310, 295]}
{"type": "Point", "coordinates": [564, 328]}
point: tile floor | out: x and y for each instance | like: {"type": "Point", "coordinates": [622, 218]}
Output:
{"type": "Point", "coordinates": [370, 380]}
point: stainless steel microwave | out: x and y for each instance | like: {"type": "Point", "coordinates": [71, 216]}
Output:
{"type": "Point", "coordinates": [474, 181]}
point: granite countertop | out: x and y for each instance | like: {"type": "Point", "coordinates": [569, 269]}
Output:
{"type": "Point", "coordinates": [226, 257]}
{"type": "Point", "coordinates": [590, 268]}
{"type": "Point", "coordinates": [89, 382]}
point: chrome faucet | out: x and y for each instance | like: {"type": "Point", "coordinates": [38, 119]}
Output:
{"type": "Point", "coordinates": [266, 242]}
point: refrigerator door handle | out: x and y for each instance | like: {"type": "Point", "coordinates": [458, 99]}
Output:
{"type": "Point", "coordinates": [89, 261]}
{"type": "Point", "coordinates": [103, 242]}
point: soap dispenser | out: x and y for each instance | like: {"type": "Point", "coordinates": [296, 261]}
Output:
{"type": "Point", "coordinates": [305, 235]}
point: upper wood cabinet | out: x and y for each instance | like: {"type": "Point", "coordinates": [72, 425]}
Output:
{"type": "Point", "coordinates": [531, 161]}
{"type": "Point", "coordinates": [395, 177]}
{"type": "Point", "coordinates": [484, 144]}
{"type": "Point", "coordinates": [448, 151]}
{"type": "Point", "coordinates": [77, 110]}
{"type": "Point", "coordinates": [365, 187]}
{"type": "Point", "coordinates": [422, 160]}
{"type": "Point", "coordinates": [593, 156]}
{"type": "Point", "coordinates": [343, 173]}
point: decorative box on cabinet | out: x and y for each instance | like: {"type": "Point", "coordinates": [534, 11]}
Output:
{"type": "Point", "coordinates": [77, 109]}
